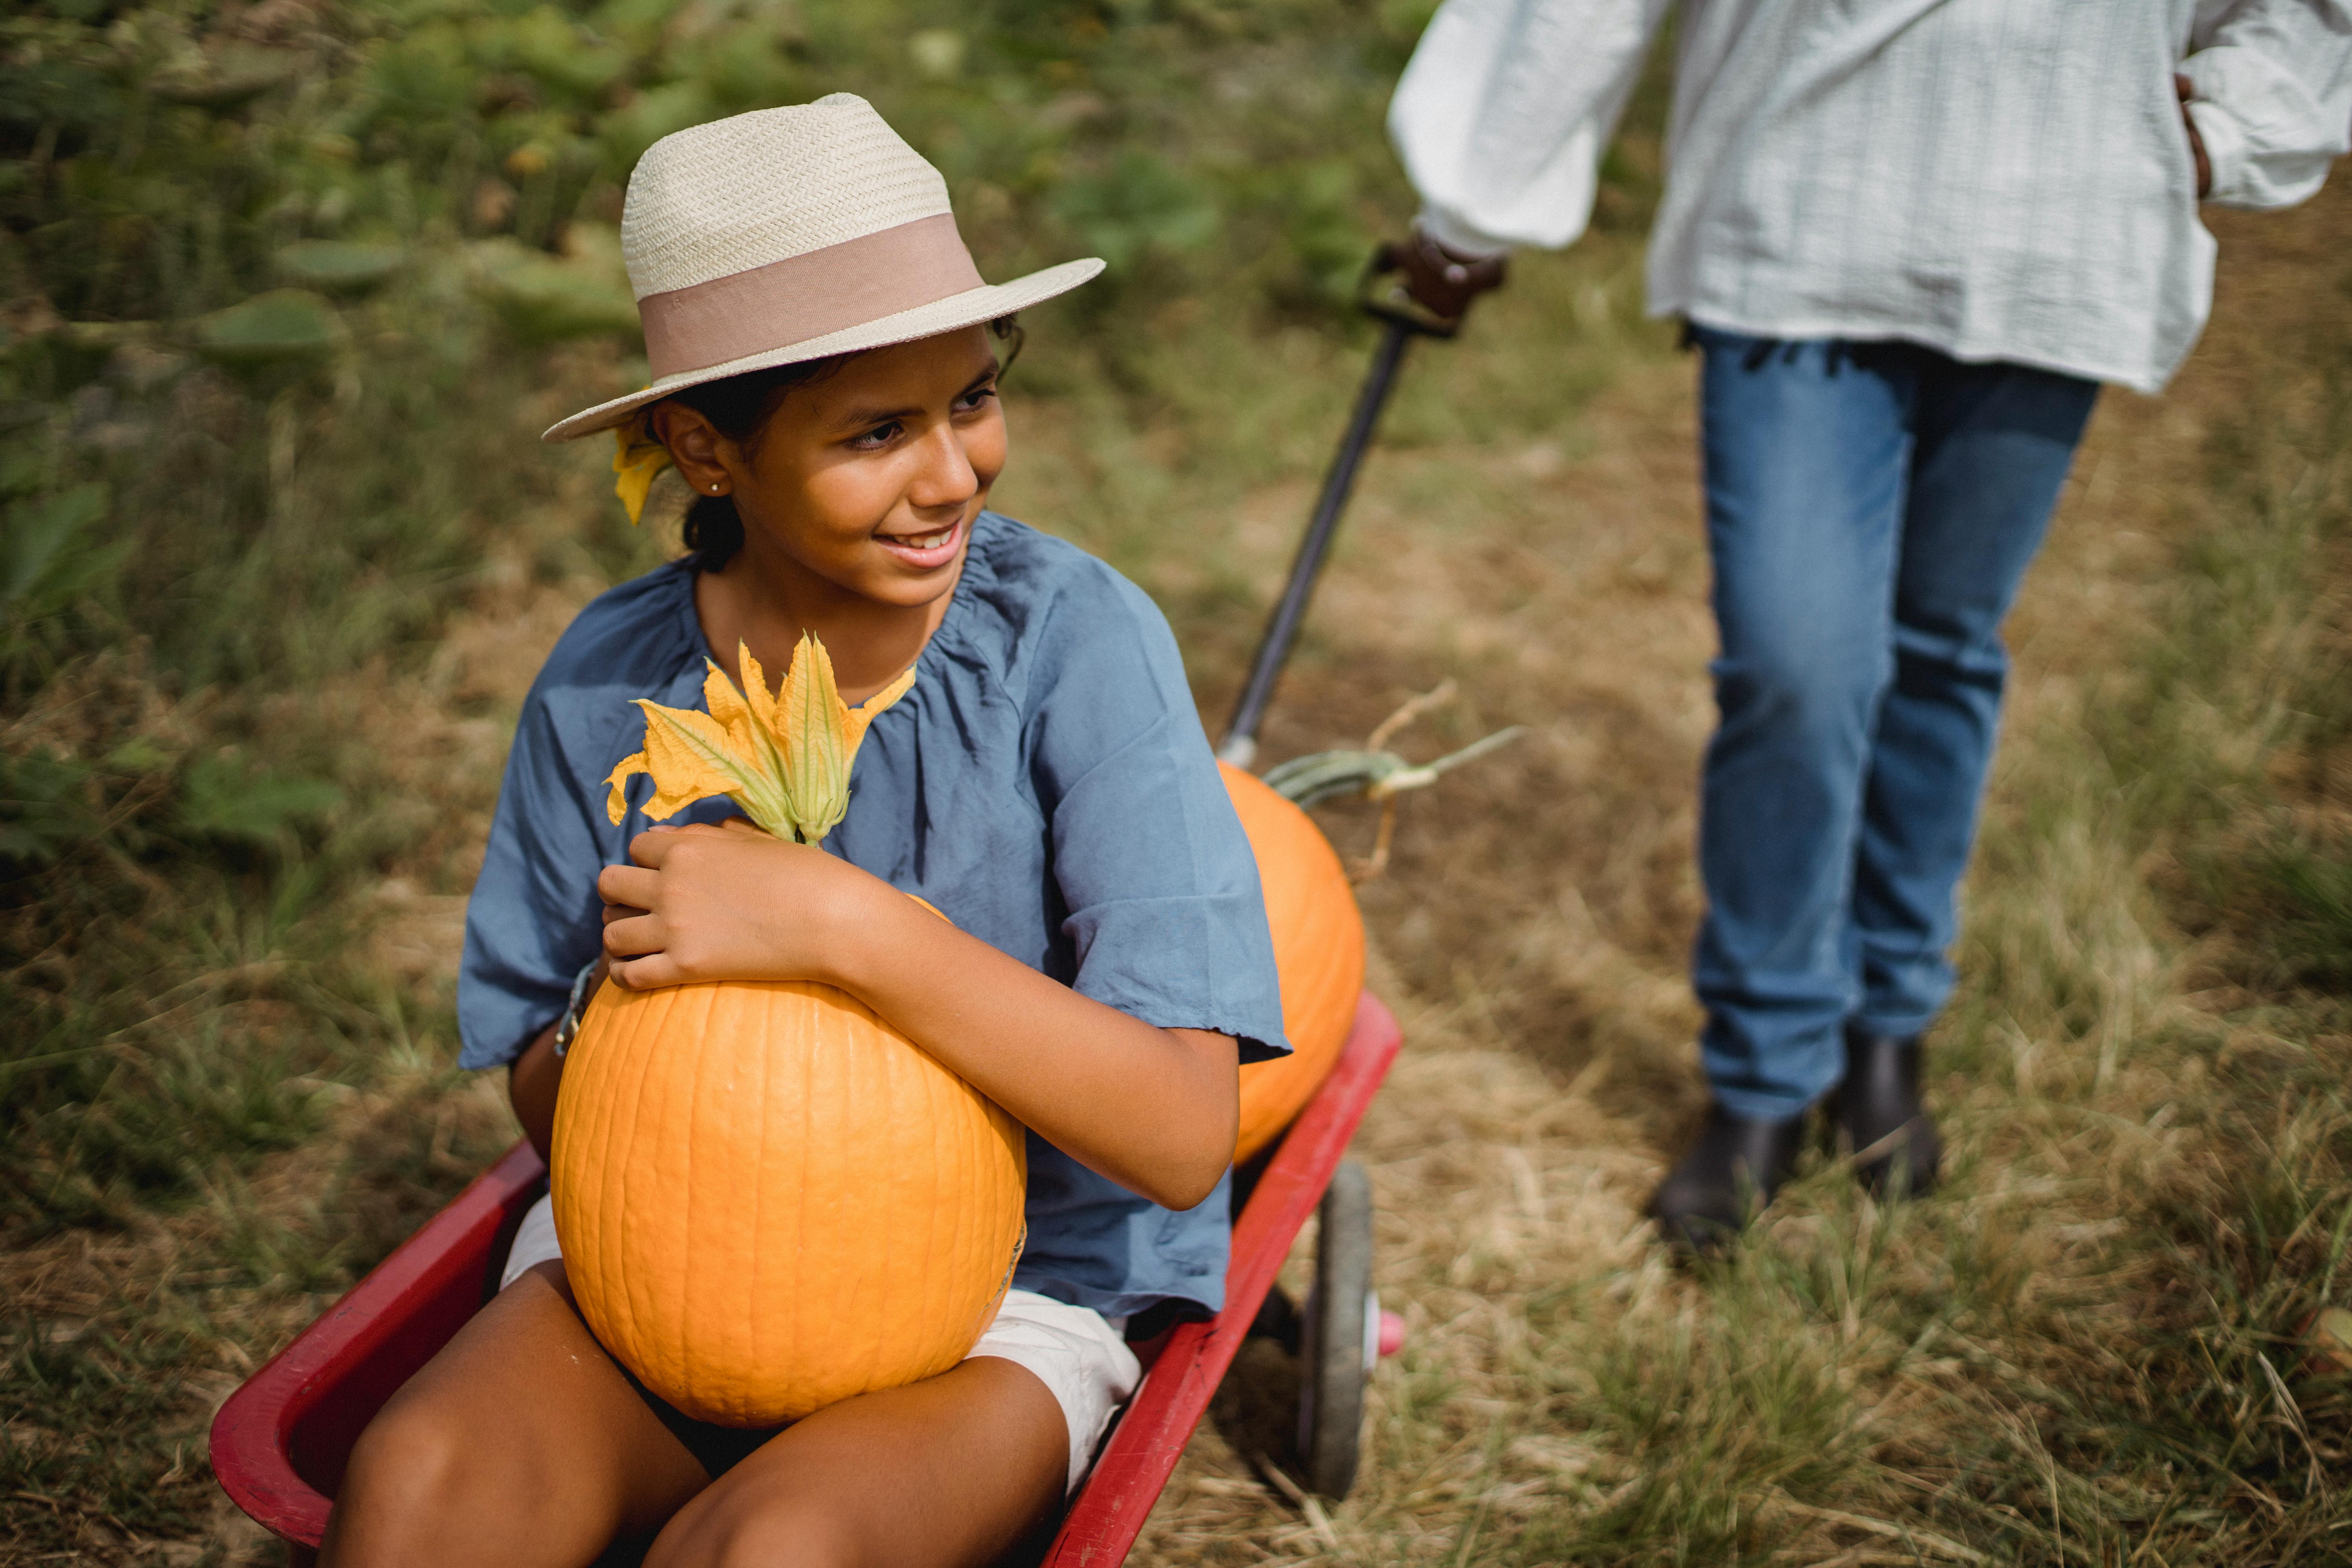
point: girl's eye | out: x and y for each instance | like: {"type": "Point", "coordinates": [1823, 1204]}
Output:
{"type": "Point", "coordinates": [974, 398]}
{"type": "Point", "coordinates": [874, 440]}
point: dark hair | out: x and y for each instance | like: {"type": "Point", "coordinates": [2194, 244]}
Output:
{"type": "Point", "coordinates": [738, 406]}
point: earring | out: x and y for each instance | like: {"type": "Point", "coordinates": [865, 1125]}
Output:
{"type": "Point", "coordinates": [714, 489]}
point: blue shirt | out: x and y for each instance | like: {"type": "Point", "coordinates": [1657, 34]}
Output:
{"type": "Point", "coordinates": [1045, 784]}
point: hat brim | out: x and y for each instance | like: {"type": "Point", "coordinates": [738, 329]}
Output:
{"type": "Point", "coordinates": [957, 310]}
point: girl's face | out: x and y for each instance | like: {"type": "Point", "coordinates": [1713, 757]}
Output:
{"type": "Point", "coordinates": [868, 477]}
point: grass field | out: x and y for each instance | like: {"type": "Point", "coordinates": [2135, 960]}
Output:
{"type": "Point", "coordinates": [276, 581]}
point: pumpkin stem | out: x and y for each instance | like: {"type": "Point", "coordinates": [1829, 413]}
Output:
{"type": "Point", "coordinates": [1376, 774]}
{"type": "Point", "coordinates": [1437, 694]}
{"type": "Point", "coordinates": [1427, 773]}
{"type": "Point", "coordinates": [1376, 867]}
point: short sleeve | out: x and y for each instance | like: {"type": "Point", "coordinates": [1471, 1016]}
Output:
{"type": "Point", "coordinates": [534, 917]}
{"type": "Point", "coordinates": [1164, 911]}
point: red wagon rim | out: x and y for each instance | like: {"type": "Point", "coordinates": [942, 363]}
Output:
{"type": "Point", "coordinates": [251, 1436]}
{"type": "Point", "coordinates": [1111, 1508]}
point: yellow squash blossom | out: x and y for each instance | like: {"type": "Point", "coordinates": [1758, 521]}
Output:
{"type": "Point", "coordinates": [785, 759]}
{"type": "Point", "coordinates": [636, 458]}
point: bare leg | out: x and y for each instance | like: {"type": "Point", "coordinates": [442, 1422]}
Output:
{"type": "Point", "coordinates": [520, 1444]}
{"type": "Point", "coordinates": [948, 1472]}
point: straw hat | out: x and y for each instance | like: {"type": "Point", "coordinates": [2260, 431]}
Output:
{"type": "Point", "coordinates": [795, 234]}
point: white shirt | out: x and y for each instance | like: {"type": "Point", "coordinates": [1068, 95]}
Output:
{"type": "Point", "coordinates": [1998, 179]}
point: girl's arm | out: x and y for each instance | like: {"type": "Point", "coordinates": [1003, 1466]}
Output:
{"type": "Point", "coordinates": [531, 1078]}
{"type": "Point", "coordinates": [1154, 1110]}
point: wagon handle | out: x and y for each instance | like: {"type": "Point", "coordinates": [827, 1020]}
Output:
{"type": "Point", "coordinates": [1402, 320]}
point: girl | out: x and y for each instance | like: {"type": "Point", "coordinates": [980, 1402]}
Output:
{"type": "Point", "coordinates": [826, 380]}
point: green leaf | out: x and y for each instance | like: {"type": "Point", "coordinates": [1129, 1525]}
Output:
{"type": "Point", "coordinates": [562, 54]}
{"type": "Point", "coordinates": [224, 798]}
{"type": "Point", "coordinates": [1142, 204]}
{"type": "Point", "coordinates": [226, 81]}
{"type": "Point", "coordinates": [40, 575]}
{"type": "Point", "coordinates": [42, 812]}
{"type": "Point", "coordinates": [138, 755]}
{"type": "Point", "coordinates": [544, 299]}
{"type": "Point", "coordinates": [281, 326]}
{"type": "Point", "coordinates": [653, 114]}
{"type": "Point", "coordinates": [340, 265]}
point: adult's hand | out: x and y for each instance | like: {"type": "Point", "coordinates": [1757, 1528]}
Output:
{"type": "Point", "coordinates": [1443, 281]}
{"type": "Point", "coordinates": [2185, 90]}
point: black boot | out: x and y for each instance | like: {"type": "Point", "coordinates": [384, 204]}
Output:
{"type": "Point", "coordinates": [1729, 1174]}
{"type": "Point", "coordinates": [1877, 1109]}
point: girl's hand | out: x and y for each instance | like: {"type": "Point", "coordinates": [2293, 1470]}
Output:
{"type": "Point", "coordinates": [729, 903]}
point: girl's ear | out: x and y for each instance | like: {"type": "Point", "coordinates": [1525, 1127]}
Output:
{"type": "Point", "coordinates": [701, 453]}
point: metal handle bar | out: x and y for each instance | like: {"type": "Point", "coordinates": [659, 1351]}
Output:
{"type": "Point", "coordinates": [1403, 321]}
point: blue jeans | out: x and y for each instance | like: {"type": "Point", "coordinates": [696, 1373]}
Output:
{"type": "Point", "coordinates": [1870, 509]}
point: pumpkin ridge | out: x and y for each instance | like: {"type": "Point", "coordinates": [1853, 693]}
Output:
{"type": "Point", "coordinates": [748, 1268]}
{"type": "Point", "coordinates": [817, 1068]}
{"type": "Point", "coordinates": [939, 1259]}
{"type": "Point", "coordinates": [604, 1056]}
{"type": "Point", "coordinates": [880, 1075]}
{"type": "Point", "coordinates": [604, 1113]}
{"type": "Point", "coordinates": [682, 1283]}
{"type": "Point", "coordinates": [942, 1259]}
{"type": "Point", "coordinates": [920, 1245]}
{"type": "Point", "coordinates": [803, 1092]}
{"type": "Point", "coordinates": [651, 1291]}
{"type": "Point", "coordinates": [644, 1114]}
{"type": "Point", "coordinates": [599, 1214]}
{"type": "Point", "coordinates": [815, 1298]}
{"type": "Point", "coordinates": [635, 1123]}
{"type": "Point", "coordinates": [691, 1278]}
{"type": "Point", "coordinates": [591, 1117]}
{"type": "Point", "coordinates": [841, 1063]}
{"type": "Point", "coordinates": [926, 1245]}
{"type": "Point", "coordinates": [864, 1068]}
{"type": "Point", "coordinates": [842, 1088]}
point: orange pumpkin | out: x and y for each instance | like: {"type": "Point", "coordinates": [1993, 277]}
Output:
{"type": "Point", "coordinates": [1319, 950]}
{"type": "Point", "coordinates": [769, 1200]}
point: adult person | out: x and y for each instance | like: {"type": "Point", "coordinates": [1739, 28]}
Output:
{"type": "Point", "coordinates": [1910, 239]}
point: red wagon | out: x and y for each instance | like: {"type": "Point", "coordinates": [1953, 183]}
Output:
{"type": "Point", "coordinates": [280, 1442]}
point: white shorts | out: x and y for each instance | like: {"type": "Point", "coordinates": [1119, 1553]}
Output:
{"type": "Point", "coordinates": [1075, 1351]}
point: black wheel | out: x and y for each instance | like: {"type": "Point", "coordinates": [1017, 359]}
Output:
{"type": "Point", "coordinates": [1341, 1337]}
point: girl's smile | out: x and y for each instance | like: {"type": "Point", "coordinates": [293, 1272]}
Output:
{"type": "Point", "coordinates": [927, 551]}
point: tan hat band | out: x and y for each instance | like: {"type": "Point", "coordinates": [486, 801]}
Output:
{"type": "Point", "coordinates": [806, 296]}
